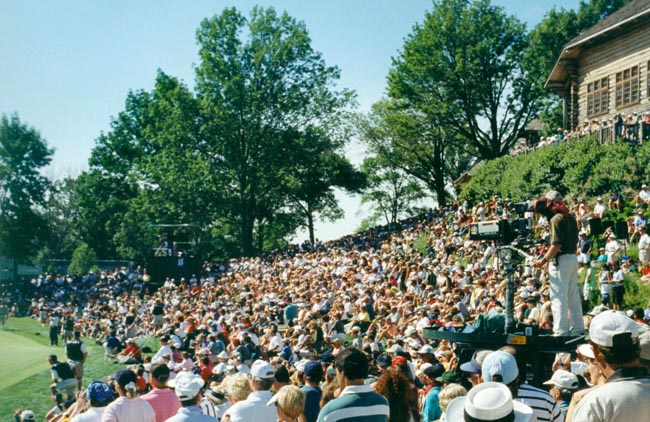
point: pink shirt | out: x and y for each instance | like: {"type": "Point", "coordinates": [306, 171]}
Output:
{"type": "Point", "coordinates": [129, 410]}
{"type": "Point", "coordinates": [164, 402]}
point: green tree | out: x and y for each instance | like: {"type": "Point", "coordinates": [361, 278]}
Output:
{"type": "Point", "coordinates": [318, 168]}
{"type": "Point", "coordinates": [391, 192]}
{"type": "Point", "coordinates": [59, 212]}
{"type": "Point", "coordinates": [23, 153]}
{"type": "Point", "coordinates": [258, 82]}
{"type": "Point", "coordinates": [462, 68]}
{"type": "Point", "coordinates": [406, 140]}
{"type": "Point", "coordinates": [83, 260]}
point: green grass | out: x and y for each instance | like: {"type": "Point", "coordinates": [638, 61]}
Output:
{"type": "Point", "coordinates": [24, 373]}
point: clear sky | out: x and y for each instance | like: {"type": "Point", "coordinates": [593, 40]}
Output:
{"type": "Point", "coordinates": [66, 66]}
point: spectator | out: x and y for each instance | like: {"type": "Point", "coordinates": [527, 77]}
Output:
{"type": "Point", "coordinates": [449, 393]}
{"type": "Point", "coordinates": [289, 403]}
{"type": "Point", "coordinates": [254, 407]}
{"type": "Point", "coordinates": [624, 397]}
{"type": "Point", "coordinates": [128, 407]}
{"type": "Point", "coordinates": [501, 366]}
{"type": "Point", "coordinates": [162, 399]}
{"type": "Point", "coordinates": [27, 416]}
{"type": "Point", "coordinates": [357, 401]}
{"type": "Point", "coordinates": [490, 401]}
{"type": "Point", "coordinates": [643, 197]}
{"type": "Point", "coordinates": [401, 394]}
{"type": "Point", "coordinates": [99, 395]}
{"type": "Point", "coordinates": [599, 209]}
{"type": "Point", "coordinates": [563, 384]}
{"type": "Point", "coordinates": [188, 389]}
{"type": "Point", "coordinates": [313, 375]}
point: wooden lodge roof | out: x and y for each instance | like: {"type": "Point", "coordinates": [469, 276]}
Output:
{"type": "Point", "coordinates": [628, 17]}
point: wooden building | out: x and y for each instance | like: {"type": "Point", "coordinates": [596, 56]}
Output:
{"type": "Point", "coordinates": [605, 70]}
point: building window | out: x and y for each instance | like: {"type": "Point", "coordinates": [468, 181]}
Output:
{"type": "Point", "coordinates": [597, 97]}
{"type": "Point", "coordinates": [627, 86]}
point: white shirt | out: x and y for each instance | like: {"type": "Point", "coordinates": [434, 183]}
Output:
{"type": "Point", "coordinates": [254, 408]}
{"type": "Point", "coordinates": [94, 414]}
{"type": "Point", "coordinates": [129, 410]}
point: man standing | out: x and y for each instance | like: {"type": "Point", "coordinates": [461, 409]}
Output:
{"type": "Point", "coordinates": [357, 401]}
{"type": "Point", "coordinates": [164, 401]}
{"type": "Point", "coordinates": [624, 397]}
{"type": "Point", "coordinates": [77, 352]}
{"type": "Point", "coordinates": [254, 408]}
{"type": "Point", "coordinates": [562, 265]}
{"type": "Point", "coordinates": [55, 321]}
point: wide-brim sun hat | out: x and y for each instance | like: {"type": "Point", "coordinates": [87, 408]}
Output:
{"type": "Point", "coordinates": [489, 401]}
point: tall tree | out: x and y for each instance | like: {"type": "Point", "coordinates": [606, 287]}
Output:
{"type": "Point", "coordinates": [463, 67]}
{"type": "Point", "coordinates": [404, 138]}
{"type": "Point", "coordinates": [391, 192]}
{"type": "Point", "coordinates": [258, 80]}
{"type": "Point", "coordinates": [318, 168]}
{"type": "Point", "coordinates": [23, 153]}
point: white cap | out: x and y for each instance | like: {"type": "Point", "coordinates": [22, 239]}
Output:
{"type": "Point", "coordinates": [262, 369]}
{"type": "Point", "coordinates": [610, 327]}
{"type": "Point", "coordinates": [563, 379]}
{"type": "Point", "coordinates": [188, 385]}
{"type": "Point", "coordinates": [426, 349]}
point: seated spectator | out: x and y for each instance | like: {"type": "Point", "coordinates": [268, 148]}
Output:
{"type": "Point", "coordinates": [490, 401]}
{"type": "Point", "coordinates": [643, 197]}
{"type": "Point", "coordinates": [98, 395]}
{"type": "Point", "coordinates": [563, 384]}
{"type": "Point", "coordinates": [599, 209]}
{"type": "Point", "coordinates": [112, 345]}
{"type": "Point", "coordinates": [189, 391]}
{"type": "Point", "coordinates": [131, 354]}
{"type": "Point", "coordinates": [289, 403]}
{"type": "Point", "coordinates": [615, 201]}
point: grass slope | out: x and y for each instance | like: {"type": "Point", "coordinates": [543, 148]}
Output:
{"type": "Point", "coordinates": [24, 373]}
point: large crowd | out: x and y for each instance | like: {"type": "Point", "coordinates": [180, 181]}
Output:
{"type": "Point", "coordinates": [318, 329]}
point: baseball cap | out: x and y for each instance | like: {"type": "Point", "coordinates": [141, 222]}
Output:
{"type": "Point", "coordinates": [434, 371]}
{"type": "Point", "coordinates": [449, 376]}
{"type": "Point", "coordinates": [586, 350]}
{"type": "Point", "coordinates": [27, 415]}
{"type": "Point", "coordinates": [554, 195]}
{"type": "Point", "coordinates": [426, 349]}
{"type": "Point", "coordinates": [99, 391]}
{"type": "Point", "coordinates": [489, 401]}
{"type": "Point", "coordinates": [500, 363]}
{"type": "Point", "coordinates": [383, 360]}
{"type": "Point", "coordinates": [160, 371]}
{"type": "Point", "coordinates": [262, 369]}
{"type": "Point", "coordinates": [563, 379]}
{"type": "Point", "coordinates": [188, 385]}
{"type": "Point", "coordinates": [313, 369]}
{"type": "Point", "coordinates": [613, 329]}
{"type": "Point", "coordinates": [474, 365]}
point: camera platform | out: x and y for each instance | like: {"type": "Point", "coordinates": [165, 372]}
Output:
{"type": "Point", "coordinates": [537, 351]}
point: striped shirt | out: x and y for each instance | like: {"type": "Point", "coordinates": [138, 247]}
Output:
{"type": "Point", "coordinates": [545, 408]}
{"type": "Point", "coordinates": [356, 403]}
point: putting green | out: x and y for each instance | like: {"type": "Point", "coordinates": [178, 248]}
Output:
{"type": "Point", "coordinates": [22, 358]}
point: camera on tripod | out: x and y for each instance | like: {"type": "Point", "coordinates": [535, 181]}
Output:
{"type": "Point", "coordinates": [505, 231]}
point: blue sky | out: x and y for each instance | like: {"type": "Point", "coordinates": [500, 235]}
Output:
{"type": "Point", "coordinates": [67, 65]}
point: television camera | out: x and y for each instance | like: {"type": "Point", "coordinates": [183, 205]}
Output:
{"type": "Point", "coordinates": [505, 231]}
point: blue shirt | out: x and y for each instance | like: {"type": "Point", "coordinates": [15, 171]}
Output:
{"type": "Point", "coordinates": [190, 414]}
{"type": "Point", "coordinates": [431, 410]}
{"type": "Point", "coordinates": [312, 402]}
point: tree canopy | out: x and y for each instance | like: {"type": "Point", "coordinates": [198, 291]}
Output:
{"type": "Point", "coordinates": [23, 153]}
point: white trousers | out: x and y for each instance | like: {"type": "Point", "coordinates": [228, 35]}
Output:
{"type": "Point", "coordinates": [565, 296]}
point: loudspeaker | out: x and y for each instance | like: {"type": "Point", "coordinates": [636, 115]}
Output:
{"type": "Point", "coordinates": [595, 226]}
{"type": "Point", "coordinates": [621, 230]}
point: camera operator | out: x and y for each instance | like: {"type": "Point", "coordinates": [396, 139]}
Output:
{"type": "Point", "coordinates": [562, 265]}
